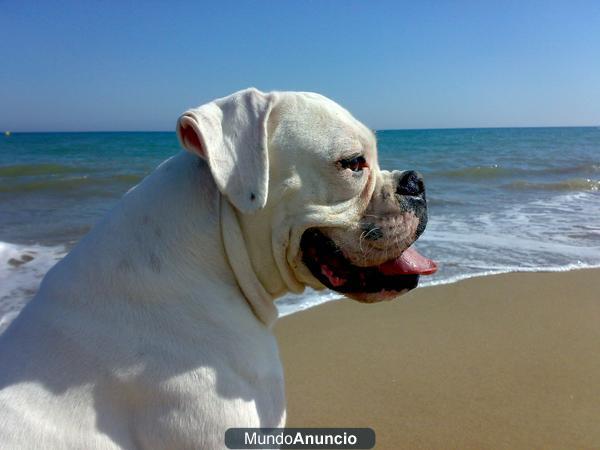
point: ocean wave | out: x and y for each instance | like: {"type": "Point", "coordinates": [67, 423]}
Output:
{"type": "Point", "coordinates": [22, 268]}
{"type": "Point", "coordinates": [25, 170]}
{"type": "Point", "coordinates": [508, 269]}
{"type": "Point", "coordinates": [475, 172]}
{"type": "Point", "coordinates": [69, 184]}
{"type": "Point", "coordinates": [292, 303]}
{"type": "Point", "coordinates": [437, 201]}
{"type": "Point", "coordinates": [497, 171]}
{"type": "Point", "coordinates": [586, 168]}
{"type": "Point", "coordinates": [574, 184]}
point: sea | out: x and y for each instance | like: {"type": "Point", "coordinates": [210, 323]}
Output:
{"type": "Point", "coordinates": [500, 199]}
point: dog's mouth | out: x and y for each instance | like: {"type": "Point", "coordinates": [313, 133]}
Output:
{"type": "Point", "coordinates": [327, 263]}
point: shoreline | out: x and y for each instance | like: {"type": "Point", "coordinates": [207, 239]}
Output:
{"type": "Point", "coordinates": [500, 361]}
{"type": "Point", "coordinates": [457, 279]}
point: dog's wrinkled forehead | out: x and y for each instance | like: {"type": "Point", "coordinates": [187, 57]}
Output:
{"type": "Point", "coordinates": [310, 140]}
{"type": "Point", "coordinates": [312, 123]}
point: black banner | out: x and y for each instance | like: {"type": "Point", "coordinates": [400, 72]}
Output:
{"type": "Point", "coordinates": [300, 438]}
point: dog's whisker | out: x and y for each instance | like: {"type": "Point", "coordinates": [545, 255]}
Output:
{"type": "Point", "coordinates": [360, 240]}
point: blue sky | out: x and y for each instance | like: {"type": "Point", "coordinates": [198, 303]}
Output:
{"type": "Point", "coordinates": [115, 65]}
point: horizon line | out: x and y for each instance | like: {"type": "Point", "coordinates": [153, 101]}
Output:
{"type": "Point", "coordinates": [376, 130]}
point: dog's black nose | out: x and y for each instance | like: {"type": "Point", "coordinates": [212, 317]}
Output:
{"type": "Point", "coordinates": [410, 183]}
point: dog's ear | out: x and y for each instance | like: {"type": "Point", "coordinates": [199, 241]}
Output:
{"type": "Point", "coordinates": [231, 135]}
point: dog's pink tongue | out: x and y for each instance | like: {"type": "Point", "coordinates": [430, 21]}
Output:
{"type": "Point", "coordinates": [410, 262]}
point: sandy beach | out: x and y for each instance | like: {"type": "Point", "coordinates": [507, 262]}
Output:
{"type": "Point", "coordinates": [509, 361]}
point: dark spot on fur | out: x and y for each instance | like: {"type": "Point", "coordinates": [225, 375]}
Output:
{"type": "Point", "coordinates": [155, 263]}
{"type": "Point", "coordinates": [252, 196]}
{"type": "Point", "coordinates": [124, 265]}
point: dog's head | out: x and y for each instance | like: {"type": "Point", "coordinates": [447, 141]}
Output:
{"type": "Point", "coordinates": [314, 207]}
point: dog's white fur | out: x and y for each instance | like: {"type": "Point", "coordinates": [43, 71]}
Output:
{"type": "Point", "coordinates": [154, 332]}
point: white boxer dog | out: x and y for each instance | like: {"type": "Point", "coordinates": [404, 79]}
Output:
{"type": "Point", "coordinates": [155, 331]}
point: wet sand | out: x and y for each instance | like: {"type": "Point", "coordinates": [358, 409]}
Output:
{"type": "Point", "coordinates": [509, 361]}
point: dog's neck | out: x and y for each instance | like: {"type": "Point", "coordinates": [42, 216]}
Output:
{"type": "Point", "coordinates": [165, 240]}
{"type": "Point", "coordinates": [255, 293]}
{"type": "Point", "coordinates": [168, 238]}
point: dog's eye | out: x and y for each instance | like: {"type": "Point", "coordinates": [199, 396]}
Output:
{"type": "Point", "coordinates": [355, 164]}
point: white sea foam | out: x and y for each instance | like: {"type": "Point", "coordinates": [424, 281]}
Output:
{"type": "Point", "coordinates": [508, 269]}
{"type": "Point", "coordinates": [289, 304]}
{"type": "Point", "coordinates": [22, 268]}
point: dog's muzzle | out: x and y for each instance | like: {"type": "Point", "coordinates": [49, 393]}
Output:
{"type": "Point", "coordinates": [391, 266]}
